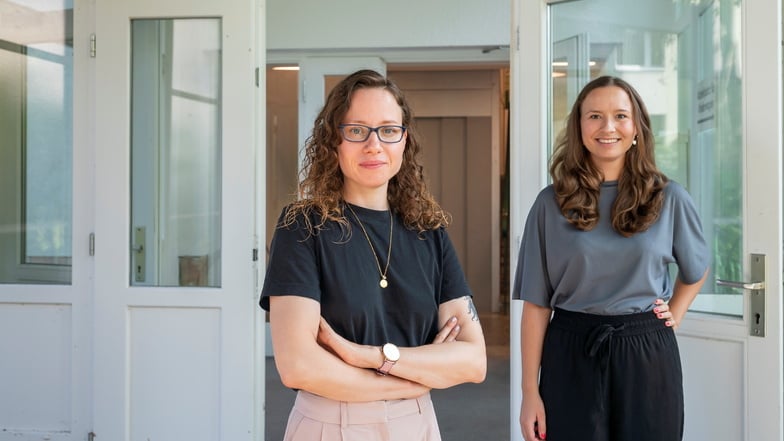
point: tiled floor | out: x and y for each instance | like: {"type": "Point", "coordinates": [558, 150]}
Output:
{"type": "Point", "coordinates": [468, 412]}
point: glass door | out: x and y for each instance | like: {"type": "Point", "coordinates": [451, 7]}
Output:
{"type": "Point", "coordinates": [701, 72]}
{"type": "Point", "coordinates": [176, 337]}
{"type": "Point", "coordinates": [45, 222]}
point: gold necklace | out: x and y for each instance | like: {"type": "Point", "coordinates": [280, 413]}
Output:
{"type": "Point", "coordinates": [383, 282]}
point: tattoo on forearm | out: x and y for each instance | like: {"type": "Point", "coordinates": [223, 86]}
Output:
{"type": "Point", "coordinates": [472, 309]}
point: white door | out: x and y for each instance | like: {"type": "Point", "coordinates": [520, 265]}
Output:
{"type": "Point", "coordinates": [710, 73]}
{"type": "Point", "coordinates": [176, 343]}
{"type": "Point", "coordinates": [45, 221]}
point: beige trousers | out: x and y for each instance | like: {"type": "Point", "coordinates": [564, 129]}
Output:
{"type": "Point", "coordinates": [316, 418]}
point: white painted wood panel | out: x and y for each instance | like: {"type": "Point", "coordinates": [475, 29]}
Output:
{"type": "Point", "coordinates": [36, 371]}
{"type": "Point", "coordinates": [710, 392]}
{"type": "Point", "coordinates": [174, 377]}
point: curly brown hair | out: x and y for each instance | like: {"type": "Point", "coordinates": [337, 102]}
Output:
{"type": "Point", "coordinates": [577, 180]}
{"type": "Point", "coordinates": [320, 189]}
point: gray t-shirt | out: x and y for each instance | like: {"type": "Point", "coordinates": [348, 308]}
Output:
{"type": "Point", "coordinates": [600, 271]}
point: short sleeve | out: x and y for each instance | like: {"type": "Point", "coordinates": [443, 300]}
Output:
{"type": "Point", "coordinates": [531, 278]}
{"type": "Point", "coordinates": [453, 281]}
{"type": "Point", "coordinates": [292, 265]}
{"type": "Point", "coordinates": [688, 245]}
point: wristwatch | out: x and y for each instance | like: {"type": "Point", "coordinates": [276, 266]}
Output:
{"type": "Point", "coordinates": [391, 356]}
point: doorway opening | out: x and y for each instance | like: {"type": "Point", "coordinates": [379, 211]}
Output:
{"type": "Point", "coordinates": [461, 114]}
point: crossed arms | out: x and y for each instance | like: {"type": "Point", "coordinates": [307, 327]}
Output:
{"type": "Point", "coordinates": [311, 356]}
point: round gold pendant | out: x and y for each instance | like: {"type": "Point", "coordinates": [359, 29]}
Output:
{"type": "Point", "coordinates": [383, 283]}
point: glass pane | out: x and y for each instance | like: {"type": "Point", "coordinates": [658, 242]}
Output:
{"type": "Point", "coordinates": [36, 123]}
{"type": "Point", "coordinates": [684, 58]}
{"type": "Point", "coordinates": [176, 116]}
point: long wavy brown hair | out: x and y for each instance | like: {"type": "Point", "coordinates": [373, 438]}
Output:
{"type": "Point", "coordinates": [577, 180]}
{"type": "Point", "coordinates": [320, 189]}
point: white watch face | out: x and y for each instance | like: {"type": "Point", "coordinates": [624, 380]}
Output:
{"type": "Point", "coordinates": [391, 352]}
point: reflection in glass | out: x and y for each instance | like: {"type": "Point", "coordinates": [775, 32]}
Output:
{"type": "Point", "coordinates": [684, 59]}
{"type": "Point", "coordinates": [175, 232]}
{"type": "Point", "coordinates": [36, 124]}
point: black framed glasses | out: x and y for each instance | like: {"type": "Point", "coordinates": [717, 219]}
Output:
{"type": "Point", "coordinates": [360, 133]}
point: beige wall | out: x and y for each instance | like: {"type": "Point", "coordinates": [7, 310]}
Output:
{"type": "Point", "coordinates": [460, 113]}
{"type": "Point", "coordinates": [282, 144]}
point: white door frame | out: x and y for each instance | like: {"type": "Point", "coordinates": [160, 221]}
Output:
{"type": "Point", "coordinates": [527, 169]}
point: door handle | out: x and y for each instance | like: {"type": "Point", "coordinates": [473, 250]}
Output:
{"type": "Point", "coordinates": [757, 288]}
{"type": "Point", "coordinates": [741, 285]}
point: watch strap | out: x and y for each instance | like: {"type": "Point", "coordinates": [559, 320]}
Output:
{"type": "Point", "coordinates": [389, 358]}
{"type": "Point", "coordinates": [385, 367]}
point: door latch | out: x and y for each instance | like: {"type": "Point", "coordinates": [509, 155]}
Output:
{"type": "Point", "coordinates": [757, 292]}
{"type": "Point", "coordinates": [139, 272]}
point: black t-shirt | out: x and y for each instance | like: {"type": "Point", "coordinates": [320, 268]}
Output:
{"type": "Point", "coordinates": [339, 271]}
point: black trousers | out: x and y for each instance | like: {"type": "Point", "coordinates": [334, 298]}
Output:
{"type": "Point", "coordinates": [611, 378]}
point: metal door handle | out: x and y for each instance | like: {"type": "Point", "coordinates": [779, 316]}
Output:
{"type": "Point", "coordinates": [757, 302]}
{"type": "Point", "coordinates": [741, 285]}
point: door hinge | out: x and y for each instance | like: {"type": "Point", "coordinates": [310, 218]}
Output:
{"type": "Point", "coordinates": [92, 244]}
{"type": "Point", "coordinates": [92, 45]}
{"type": "Point", "coordinates": [255, 254]}
{"type": "Point", "coordinates": [257, 77]}
{"type": "Point", "coordinates": [91, 436]}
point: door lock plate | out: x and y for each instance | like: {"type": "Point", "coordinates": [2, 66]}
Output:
{"type": "Point", "coordinates": [139, 264]}
{"type": "Point", "coordinates": [757, 300]}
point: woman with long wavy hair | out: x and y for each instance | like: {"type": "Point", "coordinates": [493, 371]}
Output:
{"type": "Point", "coordinates": [369, 307]}
{"type": "Point", "coordinates": [599, 355]}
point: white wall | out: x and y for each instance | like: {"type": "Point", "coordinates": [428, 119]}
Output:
{"type": "Point", "coordinates": [348, 24]}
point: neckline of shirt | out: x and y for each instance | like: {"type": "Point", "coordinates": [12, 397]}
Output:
{"type": "Point", "coordinates": [369, 214]}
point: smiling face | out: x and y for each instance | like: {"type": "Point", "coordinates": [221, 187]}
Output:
{"type": "Point", "coordinates": [607, 128]}
{"type": "Point", "coordinates": [369, 165]}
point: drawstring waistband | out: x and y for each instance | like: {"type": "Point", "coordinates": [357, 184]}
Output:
{"type": "Point", "coordinates": [621, 325]}
{"type": "Point", "coordinates": [599, 335]}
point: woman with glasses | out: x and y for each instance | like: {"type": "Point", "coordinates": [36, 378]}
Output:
{"type": "Point", "coordinates": [599, 357]}
{"type": "Point", "coordinates": [369, 307]}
